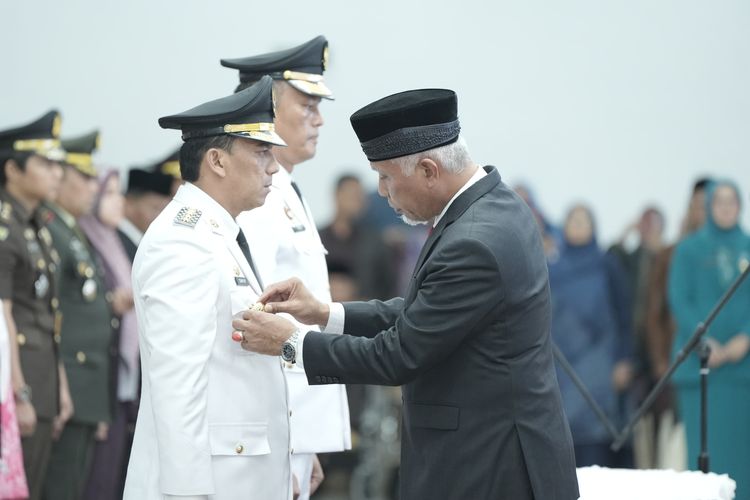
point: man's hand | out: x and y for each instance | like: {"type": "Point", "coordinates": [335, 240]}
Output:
{"type": "Point", "coordinates": [293, 298]}
{"type": "Point", "coordinates": [317, 475]}
{"type": "Point", "coordinates": [26, 416]}
{"type": "Point", "coordinates": [262, 332]}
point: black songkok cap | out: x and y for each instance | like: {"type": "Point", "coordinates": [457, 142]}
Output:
{"type": "Point", "coordinates": [145, 181]}
{"type": "Point", "coordinates": [302, 66]}
{"type": "Point", "coordinates": [407, 123]}
{"type": "Point", "coordinates": [79, 151]}
{"type": "Point", "coordinates": [41, 137]}
{"type": "Point", "coordinates": [248, 113]}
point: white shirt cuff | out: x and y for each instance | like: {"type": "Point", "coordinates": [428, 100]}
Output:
{"type": "Point", "coordinates": [335, 318]}
{"type": "Point", "coordinates": [299, 347]}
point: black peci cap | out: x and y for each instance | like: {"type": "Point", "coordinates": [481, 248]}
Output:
{"type": "Point", "coordinates": [145, 181]}
{"type": "Point", "coordinates": [407, 123]}
{"type": "Point", "coordinates": [301, 66]}
{"type": "Point", "coordinates": [41, 137]}
{"type": "Point", "coordinates": [248, 113]}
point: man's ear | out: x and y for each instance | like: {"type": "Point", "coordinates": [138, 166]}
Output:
{"type": "Point", "coordinates": [11, 169]}
{"type": "Point", "coordinates": [429, 170]}
{"type": "Point", "coordinates": [215, 160]}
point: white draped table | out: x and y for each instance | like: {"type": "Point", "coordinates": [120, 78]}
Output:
{"type": "Point", "coordinates": [600, 483]}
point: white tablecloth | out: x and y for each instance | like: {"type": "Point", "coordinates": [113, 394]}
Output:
{"type": "Point", "coordinates": [600, 483]}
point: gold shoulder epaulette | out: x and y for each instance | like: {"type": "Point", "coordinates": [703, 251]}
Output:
{"type": "Point", "coordinates": [187, 216]}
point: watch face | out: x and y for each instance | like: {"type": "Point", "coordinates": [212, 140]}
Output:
{"type": "Point", "coordinates": [288, 352]}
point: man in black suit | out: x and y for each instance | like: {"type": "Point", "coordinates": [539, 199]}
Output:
{"type": "Point", "coordinates": [470, 340]}
{"type": "Point", "coordinates": [147, 194]}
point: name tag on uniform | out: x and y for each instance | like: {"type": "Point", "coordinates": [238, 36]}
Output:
{"type": "Point", "coordinates": [241, 281]}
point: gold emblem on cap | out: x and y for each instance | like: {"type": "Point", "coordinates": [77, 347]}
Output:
{"type": "Point", "coordinates": [325, 58]}
{"type": "Point", "coordinates": [236, 271]}
{"type": "Point", "coordinates": [56, 126]}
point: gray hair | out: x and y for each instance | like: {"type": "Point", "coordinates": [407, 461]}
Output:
{"type": "Point", "coordinates": [452, 157]}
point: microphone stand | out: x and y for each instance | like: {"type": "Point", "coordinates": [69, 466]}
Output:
{"type": "Point", "coordinates": [560, 357]}
{"type": "Point", "coordinates": [695, 340]}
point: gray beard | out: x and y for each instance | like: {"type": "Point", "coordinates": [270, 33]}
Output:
{"type": "Point", "coordinates": [413, 222]}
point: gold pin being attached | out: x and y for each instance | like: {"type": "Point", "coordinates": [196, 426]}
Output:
{"type": "Point", "coordinates": [258, 306]}
{"type": "Point", "coordinates": [237, 271]}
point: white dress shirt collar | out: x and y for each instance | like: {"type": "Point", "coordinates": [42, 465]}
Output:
{"type": "Point", "coordinates": [474, 179]}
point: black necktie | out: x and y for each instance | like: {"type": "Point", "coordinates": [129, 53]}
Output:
{"type": "Point", "coordinates": [242, 242]}
{"type": "Point", "coordinates": [299, 193]}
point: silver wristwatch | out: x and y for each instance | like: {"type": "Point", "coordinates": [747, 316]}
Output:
{"type": "Point", "coordinates": [289, 348]}
{"type": "Point", "coordinates": [23, 394]}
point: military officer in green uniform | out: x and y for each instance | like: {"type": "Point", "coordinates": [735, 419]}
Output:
{"type": "Point", "coordinates": [30, 173]}
{"type": "Point", "coordinates": [87, 327]}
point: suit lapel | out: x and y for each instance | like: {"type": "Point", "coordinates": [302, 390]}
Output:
{"type": "Point", "coordinates": [458, 207]}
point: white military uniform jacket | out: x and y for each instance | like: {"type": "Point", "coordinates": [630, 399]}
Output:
{"type": "Point", "coordinates": [214, 418]}
{"type": "Point", "coordinates": [284, 242]}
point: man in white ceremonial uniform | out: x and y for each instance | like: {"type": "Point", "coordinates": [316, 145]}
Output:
{"type": "Point", "coordinates": [213, 421]}
{"type": "Point", "coordinates": [284, 241]}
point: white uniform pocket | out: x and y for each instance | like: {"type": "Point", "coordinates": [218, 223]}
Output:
{"type": "Point", "coordinates": [247, 439]}
{"type": "Point", "coordinates": [242, 299]}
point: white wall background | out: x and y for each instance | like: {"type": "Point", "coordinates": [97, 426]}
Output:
{"type": "Point", "coordinates": [618, 103]}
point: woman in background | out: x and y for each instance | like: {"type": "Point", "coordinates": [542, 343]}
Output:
{"type": "Point", "coordinates": [106, 478]}
{"type": "Point", "coordinates": [12, 475]}
{"type": "Point", "coordinates": [704, 266]}
{"type": "Point", "coordinates": [591, 326]}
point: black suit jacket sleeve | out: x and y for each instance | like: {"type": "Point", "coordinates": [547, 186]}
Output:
{"type": "Point", "coordinates": [460, 288]}
{"type": "Point", "coordinates": [367, 319]}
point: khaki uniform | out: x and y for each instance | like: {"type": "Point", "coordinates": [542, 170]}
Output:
{"type": "Point", "coordinates": [27, 268]}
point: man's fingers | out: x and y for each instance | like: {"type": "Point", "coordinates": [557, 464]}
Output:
{"type": "Point", "coordinates": [279, 307]}
{"type": "Point", "coordinates": [277, 291]}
